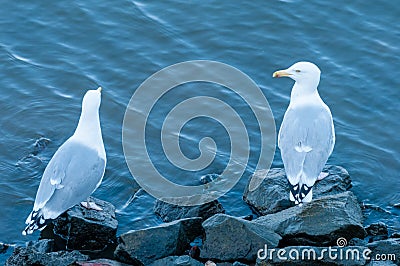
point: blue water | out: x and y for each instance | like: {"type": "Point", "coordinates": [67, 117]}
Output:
{"type": "Point", "coordinates": [51, 52]}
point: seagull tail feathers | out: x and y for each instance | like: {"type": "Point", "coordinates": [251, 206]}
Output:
{"type": "Point", "coordinates": [35, 221]}
{"type": "Point", "coordinates": [300, 193]}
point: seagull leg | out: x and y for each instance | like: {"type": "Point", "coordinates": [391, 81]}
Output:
{"type": "Point", "coordinates": [322, 175]}
{"type": "Point", "coordinates": [91, 205]}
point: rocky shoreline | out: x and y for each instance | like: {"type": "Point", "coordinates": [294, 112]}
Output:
{"type": "Point", "coordinates": [206, 235]}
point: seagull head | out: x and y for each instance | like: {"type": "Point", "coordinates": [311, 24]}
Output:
{"type": "Point", "coordinates": [92, 100]}
{"type": "Point", "coordinates": [304, 73]}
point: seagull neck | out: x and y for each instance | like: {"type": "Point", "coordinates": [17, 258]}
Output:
{"type": "Point", "coordinates": [300, 90]}
{"type": "Point", "coordinates": [89, 126]}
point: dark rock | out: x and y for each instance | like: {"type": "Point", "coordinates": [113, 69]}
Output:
{"type": "Point", "coordinates": [397, 205]}
{"type": "Point", "coordinates": [169, 212]}
{"type": "Point", "coordinates": [272, 195]}
{"type": "Point", "coordinates": [380, 263]}
{"type": "Point", "coordinates": [184, 260]}
{"type": "Point", "coordinates": [99, 262]}
{"type": "Point", "coordinates": [377, 229]}
{"type": "Point", "coordinates": [39, 145]}
{"type": "Point", "coordinates": [236, 263]}
{"type": "Point", "coordinates": [32, 255]}
{"type": "Point", "coordinates": [205, 179]}
{"type": "Point", "coordinates": [357, 242]}
{"type": "Point", "coordinates": [230, 238]}
{"type": "Point", "coordinates": [395, 235]}
{"type": "Point", "coordinates": [248, 217]}
{"type": "Point", "coordinates": [318, 223]}
{"type": "Point", "coordinates": [3, 248]}
{"type": "Point", "coordinates": [388, 250]}
{"type": "Point", "coordinates": [89, 231]}
{"type": "Point", "coordinates": [142, 247]}
{"type": "Point", "coordinates": [310, 255]}
{"type": "Point", "coordinates": [42, 246]}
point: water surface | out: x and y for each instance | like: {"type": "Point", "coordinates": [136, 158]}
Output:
{"type": "Point", "coordinates": [51, 52]}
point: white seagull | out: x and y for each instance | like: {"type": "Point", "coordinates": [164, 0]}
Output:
{"type": "Point", "coordinates": [307, 135]}
{"type": "Point", "coordinates": [75, 171]}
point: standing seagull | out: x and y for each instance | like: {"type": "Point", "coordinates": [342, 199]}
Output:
{"type": "Point", "coordinates": [75, 171]}
{"type": "Point", "coordinates": [307, 135]}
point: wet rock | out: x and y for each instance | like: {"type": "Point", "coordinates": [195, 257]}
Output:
{"type": "Point", "coordinates": [395, 235]}
{"type": "Point", "coordinates": [42, 246]}
{"type": "Point", "coordinates": [35, 254]}
{"type": "Point", "coordinates": [89, 231]}
{"type": "Point", "coordinates": [377, 231]}
{"type": "Point", "coordinates": [357, 242]}
{"type": "Point", "coordinates": [184, 260]}
{"type": "Point", "coordinates": [40, 144]}
{"type": "Point", "coordinates": [310, 255]}
{"type": "Point", "coordinates": [380, 263]}
{"type": "Point", "coordinates": [272, 195]}
{"type": "Point", "coordinates": [205, 179]}
{"type": "Point", "coordinates": [249, 217]}
{"type": "Point", "coordinates": [230, 238]}
{"type": "Point", "coordinates": [142, 247]}
{"type": "Point", "coordinates": [3, 248]}
{"type": "Point", "coordinates": [236, 263]}
{"type": "Point", "coordinates": [99, 262]}
{"type": "Point", "coordinates": [388, 250]}
{"type": "Point", "coordinates": [169, 212]}
{"type": "Point", "coordinates": [318, 223]}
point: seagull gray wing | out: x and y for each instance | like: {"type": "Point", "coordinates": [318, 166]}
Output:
{"type": "Point", "coordinates": [73, 173]}
{"type": "Point", "coordinates": [306, 140]}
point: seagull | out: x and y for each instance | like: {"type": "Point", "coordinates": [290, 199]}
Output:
{"type": "Point", "coordinates": [75, 171]}
{"type": "Point", "coordinates": [307, 135]}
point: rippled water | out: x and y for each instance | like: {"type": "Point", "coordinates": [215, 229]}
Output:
{"type": "Point", "coordinates": [53, 51]}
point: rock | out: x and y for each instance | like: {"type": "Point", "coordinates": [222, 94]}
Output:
{"type": "Point", "coordinates": [357, 242]}
{"type": "Point", "coordinates": [249, 217]}
{"type": "Point", "coordinates": [395, 235]}
{"type": "Point", "coordinates": [236, 263]}
{"type": "Point", "coordinates": [87, 230]}
{"type": "Point", "coordinates": [272, 195]}
{"type": "Point", "coordinates": [33, 255]}
{"type": "Point", "coordinates": [99, 262]}
{"type": "Point", "coordinates": [388, 250]}
{"type": "Point", "coordinates": [169, 212]}
{"type": "Point", "coordinates": [230, 238]}
{"type": "Point", "coordinates": [42, 246]}
{"type": "Point", "coordinates": [377, 231]}
{"type": "Point", "coordinates": [142, 247]}
{"type": "Point", "coordinates": [184, 260]}
{"type": "Point", "coordinates": [310, 255]}
{"type": "Point", "coordinates": [3, 247]}
{"type": "Point", "coordinates": [318, 223]}
{"type": "Point", "coordinates": [380, 263]}
{"type": "Point", "coordinates": [205, 179]}
{"type": "Point", "coordinates": [40, 144]}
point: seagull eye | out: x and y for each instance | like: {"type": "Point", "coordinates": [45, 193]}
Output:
{"type": "Point", "coordinates": [297, 70]}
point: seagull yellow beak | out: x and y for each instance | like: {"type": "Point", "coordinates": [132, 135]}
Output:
{"type": "Point", "coordinates": [99, 89]}
{"type": "Point", "coordinates": [280, 73]}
